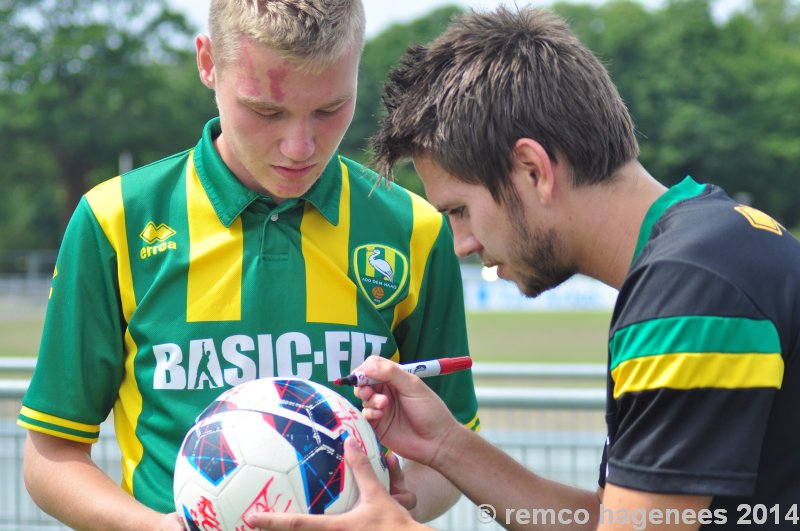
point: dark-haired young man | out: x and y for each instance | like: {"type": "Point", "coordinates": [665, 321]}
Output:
{"type": "Point", "coordinates": [522, 140]}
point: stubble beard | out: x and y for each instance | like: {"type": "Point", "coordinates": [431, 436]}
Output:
{"type": "Point", "coordinates": [541, 254]}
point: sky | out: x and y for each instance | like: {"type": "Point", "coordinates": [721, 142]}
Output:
{"type": "Point", "coordinates": [382, 13]}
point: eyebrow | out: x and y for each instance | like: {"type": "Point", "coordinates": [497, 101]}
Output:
{"type": "Point", "coordinates": [268, 105]}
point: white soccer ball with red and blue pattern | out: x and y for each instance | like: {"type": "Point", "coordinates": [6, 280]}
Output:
{"type": "Point", "coordinates": [273, 444]}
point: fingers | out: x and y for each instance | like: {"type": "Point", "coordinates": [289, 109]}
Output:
{"type": "Point", "coordinates": [385, 370]}
{"type": "Point", "coordinates": [357, 460]}
{"type": "Point", "coordinates": [395, 470]}
{"type": "Point", "coordinates": [395, 382]}
{"type": "Point", "coordinates": [367, 483]}
{"type": "Point", "coordinates": [397, 484]}
{"type": "Point", "coordinates": [407, 499]}
{"type": "Point", "coordinates": [373, 408]}
{"type": "Point", "coordinates": [290, 521]}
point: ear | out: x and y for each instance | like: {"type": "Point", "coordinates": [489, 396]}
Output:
{"type": "Point", "coordinates": [205, 61]}
{"type": "Point", "coordinates": [533, 169]}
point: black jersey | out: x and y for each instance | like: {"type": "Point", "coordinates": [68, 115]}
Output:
{"type": "Point", "coordinates": [704, 360]}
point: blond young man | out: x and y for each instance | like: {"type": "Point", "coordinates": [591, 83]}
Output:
{"type": "Point", "coordinates": [244, 257]}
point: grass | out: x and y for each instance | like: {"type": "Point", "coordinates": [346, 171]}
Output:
{"type": "Point", "coordinates": [20, 336]}
{"type": "Point", "coordinates": [539, 337]}
{"type": "Point", "coordinates": [513, 337]}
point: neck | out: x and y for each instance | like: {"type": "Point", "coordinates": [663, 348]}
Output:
{"type": "Point", "coordinates": [609, 217]}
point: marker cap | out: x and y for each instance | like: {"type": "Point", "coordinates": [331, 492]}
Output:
{"type": "Point", "coordinates": [454, 364]}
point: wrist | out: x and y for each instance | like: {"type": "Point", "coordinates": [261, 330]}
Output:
{"type": "Point", "coordinates": [454, 437]}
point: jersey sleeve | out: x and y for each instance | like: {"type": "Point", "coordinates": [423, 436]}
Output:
{"type": "Point", "coordinates": [437, 328]}
{"type": "Point", "coordinates": [80, 364]}
{"type": "Point", "coordinates": [694, 370]}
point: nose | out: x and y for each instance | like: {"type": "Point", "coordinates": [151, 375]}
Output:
{"type": "Point", "coordinates": [464, 242]}
{"type": "Point", "coordinates": [298, 142]}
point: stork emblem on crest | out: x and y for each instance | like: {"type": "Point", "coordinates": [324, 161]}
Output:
{"type": "Point", "coordinates": [381, 272]}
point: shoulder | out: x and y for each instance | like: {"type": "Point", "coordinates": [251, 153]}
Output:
{"type": "Point", "coordinates": [713, 230]}
{"type": "Point", "coordinates": [709, 242]}
{"type": "Point", "coordinates": [378, 193]}
{"type": "Point", "coordinates": [163, 171]}
{"type": "Point", "coordinates": [148, 186]}
{"type": "Point", "coordinates": [138, 180]}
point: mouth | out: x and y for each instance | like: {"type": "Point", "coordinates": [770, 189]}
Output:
{"type": "Point", "coordinates": [293, 172]}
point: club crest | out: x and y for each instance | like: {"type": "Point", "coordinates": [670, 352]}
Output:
{"type": "Point", "coordinates": [381, 272]}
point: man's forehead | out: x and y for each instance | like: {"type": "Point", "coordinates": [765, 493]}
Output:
{"type": "Point", "coordinates": [441, 188]}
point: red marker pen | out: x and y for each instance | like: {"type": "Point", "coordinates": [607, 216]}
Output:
{"type": "Point", "coordinates": [423, 369]}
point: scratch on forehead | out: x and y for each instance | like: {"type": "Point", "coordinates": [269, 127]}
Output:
{"type": "Point", "coordinates": [246, 80]}
{"type": "Point", "coordinates": [276, 77]}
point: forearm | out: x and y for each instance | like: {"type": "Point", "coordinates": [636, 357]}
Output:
{"type": "Point", "coordinates": [435, 494]}
{"type": "Point", "coordinates": [487, 475]}
{"type": "Point", "coordinates": [64, 481]}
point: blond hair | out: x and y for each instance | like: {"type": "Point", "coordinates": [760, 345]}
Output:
{"type": "Point", "coordinates": [312, 32]}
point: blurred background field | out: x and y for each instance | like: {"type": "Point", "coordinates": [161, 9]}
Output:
{"type": "Point", "coordinates": [495, 337]}
{"type": "Point", "coordinates": [20, 336]}
{"type": "Point", "coordinates": [538, 337]}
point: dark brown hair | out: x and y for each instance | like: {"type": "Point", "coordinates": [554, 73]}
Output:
{"type": "Point", "coordinates": [492, 78]}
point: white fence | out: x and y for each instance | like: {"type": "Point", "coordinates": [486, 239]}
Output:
{"type": "Point", "coordinates": [558, 432]}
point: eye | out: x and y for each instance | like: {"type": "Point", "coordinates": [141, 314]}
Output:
{"type": "Point", "coordinates": [323, 113]}
{"type": "Point", "coordinates": [457, 213]}
{"type": "Point", "coordinates": [267, 115]}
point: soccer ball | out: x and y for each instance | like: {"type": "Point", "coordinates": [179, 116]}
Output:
{"type": "Point", "coordinates": [270, 445]}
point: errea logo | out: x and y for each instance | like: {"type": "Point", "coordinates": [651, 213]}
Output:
{"type": "Point", "coordinates": [156, 237]}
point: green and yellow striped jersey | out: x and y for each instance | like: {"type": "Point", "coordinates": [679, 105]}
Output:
{"type": "Point", "coordinates": [174, 282]}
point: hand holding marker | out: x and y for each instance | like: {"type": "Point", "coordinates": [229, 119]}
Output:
{"type": "Point", "coordinates": [423, 369]}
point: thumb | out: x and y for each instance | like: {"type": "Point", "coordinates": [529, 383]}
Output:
{"type": "Point", "coordinates": [387, 371]}
{"type": "Point", "coordinates": [366, 480]}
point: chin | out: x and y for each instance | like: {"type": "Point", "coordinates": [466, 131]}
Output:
{"type": "Point", "coordinates": [533, 287]}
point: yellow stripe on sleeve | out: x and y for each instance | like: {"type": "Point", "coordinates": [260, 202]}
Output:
{"type": "Point", "coordinates": [697, 371]}
{"type": "Point", "coordinates": [50, 419]}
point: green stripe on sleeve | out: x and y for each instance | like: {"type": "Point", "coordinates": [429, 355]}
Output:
{"type": "Point", "coordinates": [696, 334]}
{"type": "Point", "coordinates": [55, 429]}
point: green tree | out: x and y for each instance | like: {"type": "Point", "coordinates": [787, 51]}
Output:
{"type": "Point", "coordinates": [85, 81]}
{"type": "Point", "coordinates": [711, 98]}
{"type": "Point", "coordinates": [81, 83]}
{"type": "Point", "coordinates": [380, 54]}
